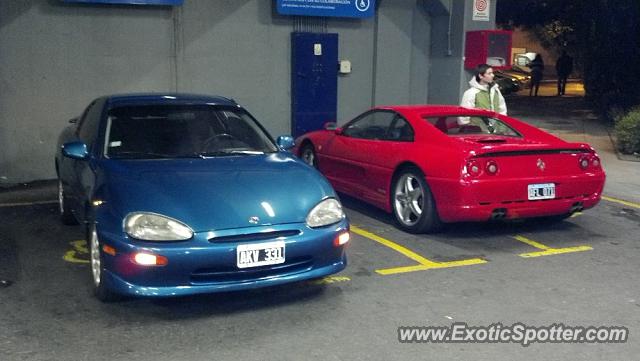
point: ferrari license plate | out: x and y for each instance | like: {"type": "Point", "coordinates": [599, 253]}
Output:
{"type": "Point", "coordinates": [542, 191]}
{"type": "Point", "coordinates": [260, 254]}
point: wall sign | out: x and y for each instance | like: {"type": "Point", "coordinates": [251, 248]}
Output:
{"type": "Point", "coordinates": [331, 8]}
{"type": "Point", "coordinates": [481, 10]}
{"type": "Point", "coordinates": [129, 2]}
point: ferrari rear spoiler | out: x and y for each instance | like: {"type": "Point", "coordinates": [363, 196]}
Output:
{"type": "Point", "coordinates": [509, 150]}
{"type": "Point", "coordinates": [532, 152]}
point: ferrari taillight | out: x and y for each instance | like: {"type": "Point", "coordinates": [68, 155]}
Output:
{"type": "Point", "coordinates": [589, 160]}
{"type": "Point", "coordinates": [492, 167]}
{"type": "Point", "coordinates": [473, 168]}
{"type": "Point", "coordinates": [584, 162]}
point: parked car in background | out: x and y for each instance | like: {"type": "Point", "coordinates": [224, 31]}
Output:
{"type": "Point", "coordinates": [523, 59]}
{"type": "Point", "coordinates": [496, 61]}
{"type": "Point", "coordinates": [506, 83]}
{"type": "Point", "coordinates": [433, 164]}
{"type": "Point", "coordinates": [185, 194]}
{"type": "Point", "coordinates": [523, 79]}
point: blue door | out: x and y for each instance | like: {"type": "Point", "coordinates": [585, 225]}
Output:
{"type": "Point", "coordinates": [314, 78]}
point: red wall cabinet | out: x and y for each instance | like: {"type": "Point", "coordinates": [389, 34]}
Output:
{"type": "Point", "coordinates": [492, 47]}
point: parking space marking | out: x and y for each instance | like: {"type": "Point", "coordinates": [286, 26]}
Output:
{"type": "Point", "coordinates": [330, 279]}
{"type": "Point", "coordinates": [79, 253]}
{"type": "Point", "coordinates": [546, 250]}
{"type": "Point", "coordinates": [623, 202]}
{"type": "Point", "coordinates": [5, 205]}
{"type": "Point", "coordinates": [424, 263]}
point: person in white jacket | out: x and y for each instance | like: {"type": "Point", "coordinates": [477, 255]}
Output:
{"type": "Point", "coordinates": [483, 93]}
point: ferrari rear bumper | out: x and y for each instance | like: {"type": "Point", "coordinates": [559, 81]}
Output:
{"type": "Point", "coordinates": [484, 200]}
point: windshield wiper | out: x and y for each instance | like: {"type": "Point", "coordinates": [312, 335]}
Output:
{"type": "Point", "coordinates": [222, 153]}
{"type": "Point", "coordinates": [249, 152]}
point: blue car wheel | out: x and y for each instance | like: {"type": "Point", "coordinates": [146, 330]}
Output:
{"type": "Point", "coordinates": [99, 288]}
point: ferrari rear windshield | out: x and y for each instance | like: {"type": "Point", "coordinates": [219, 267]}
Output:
{"type": "Point", "coordinates": [472, 125]}
{"type": "Point", "coordinates": [178, 131]}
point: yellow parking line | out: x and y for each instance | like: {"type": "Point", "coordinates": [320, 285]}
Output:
{"type": "Point", "coordinates": [405, 251]}
{"type": "Point", "coordinates": [329, 279]}
{"type": "Point", "coordinates": [76, 254]}
{"type": "Point", "coordinates": [431, 265]}
{"type": "Point", "coordinates": [531, 242]}
{"type": "Point", "coordinates": [553, 251]}
{"type": "Point", "coordinates": [546, 250]}
{"type": "Point", "coordinates": [626, 203]}
{"type": "Point", "coordinates": [424, 263]}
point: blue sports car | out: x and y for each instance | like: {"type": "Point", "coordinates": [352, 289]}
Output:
{"type": "Point", "coordinates": [184, 194]}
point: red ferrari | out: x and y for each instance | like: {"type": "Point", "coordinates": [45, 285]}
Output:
{"type": "Point", "coordinates": [435, 164]}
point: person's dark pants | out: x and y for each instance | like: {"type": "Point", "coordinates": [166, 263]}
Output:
{"type": "Point", "coordinates": [534, 88]}
{"type": "Point", "coordinates": [562, 84]}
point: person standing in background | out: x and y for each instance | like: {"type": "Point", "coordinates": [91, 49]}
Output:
{"type": "Point", "coordinates": [483, 93]}
{"type": "Point", "coordinates": [564, 67]}
{"type": "Point", "coordinates": [537, 67]}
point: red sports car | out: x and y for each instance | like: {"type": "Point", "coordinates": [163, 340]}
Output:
{"type": "Point", "coordinates": [435, 164]}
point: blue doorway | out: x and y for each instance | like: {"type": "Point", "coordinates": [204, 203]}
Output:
{"type": "Point", "coordinates": [314, 78]}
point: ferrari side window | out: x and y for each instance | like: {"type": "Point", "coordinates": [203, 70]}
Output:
{"type": "Point", "coordinates": [400, 130]}
{"type": "Point", "coordinates": [373, 125]}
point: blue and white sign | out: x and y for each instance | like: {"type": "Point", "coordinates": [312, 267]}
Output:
{"type": "Point", "coordinates": [129, 2]}
{"type": "Point", "coordinates": [331, 8]}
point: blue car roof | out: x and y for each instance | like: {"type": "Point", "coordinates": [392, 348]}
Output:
{"type": "Point", "coordinates": [119, 100]}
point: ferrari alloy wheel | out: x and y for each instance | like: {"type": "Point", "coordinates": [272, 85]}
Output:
{"type": "Point", "coordinates": [308, 155]}
{"type": "Point", "coordinates": [99, 288]}
{"type": "Point", "coordinates": [65, 212]}
{"type": "Point", "coordinates": [413, 204]}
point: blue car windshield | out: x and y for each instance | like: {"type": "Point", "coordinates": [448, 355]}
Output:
{"type": "Point", "coordinates": [179, 131]}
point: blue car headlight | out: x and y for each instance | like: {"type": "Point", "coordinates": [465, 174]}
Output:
{"type": "Point", "coordinates": [327, 212]}
{"type": "Point", "coordinates": [155, 227]}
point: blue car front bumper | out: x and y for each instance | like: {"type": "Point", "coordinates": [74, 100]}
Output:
{"type": "Point", "coordinates": [205, 265]}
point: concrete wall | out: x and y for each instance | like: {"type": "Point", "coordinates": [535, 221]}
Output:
{"type": "Point", "coordinates": [56, 57]}
{"type": "Point", "coordinates": [450, 22]}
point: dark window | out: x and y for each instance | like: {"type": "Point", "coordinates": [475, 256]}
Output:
{"type": "Point", "coordinates": [88, 127]}
{"type": "Point", "coordinates": [465, 125]}
{"type": "Point", "coordinates": [173, 131]}
{"type": "Point", "coordinates": [400, 130]}
{"type": "Point", "coordinates": [83, 117]}
{"type": "Point", "coordinates": [373, 125]}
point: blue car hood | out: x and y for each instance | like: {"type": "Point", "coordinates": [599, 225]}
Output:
{"type": "Point", "coordinates": [216, 193]}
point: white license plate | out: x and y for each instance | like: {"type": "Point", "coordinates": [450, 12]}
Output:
{"type": "Point", "coordinates": [260, 254]}
{"type": "Point", "coordinates": [542, 191]}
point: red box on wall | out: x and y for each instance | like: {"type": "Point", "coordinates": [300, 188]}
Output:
{"type": "Point", "coordinates": [491, 47]}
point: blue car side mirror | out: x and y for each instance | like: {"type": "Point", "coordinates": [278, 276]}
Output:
{"type": "Point", "coordinates": [286, 142]}
{"type": "Point", "coordinates": [75, 150]}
